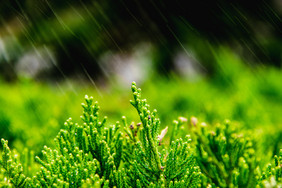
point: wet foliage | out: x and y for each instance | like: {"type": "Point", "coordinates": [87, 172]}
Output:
{"type": "Point", "coordinates": [93, 154]}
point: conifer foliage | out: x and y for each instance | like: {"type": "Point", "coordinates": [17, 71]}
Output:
{"type": "Point", "coordinates": [272, 175]}
{"type": "Point", "coordinates": [94, 154]}
{"type": "Point", "coordinates": [226, 157]}
{"type": "Point", "coordinates": [156, 166]}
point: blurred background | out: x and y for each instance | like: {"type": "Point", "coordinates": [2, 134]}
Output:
{"type": "Point", "coordinates": [212, 59]}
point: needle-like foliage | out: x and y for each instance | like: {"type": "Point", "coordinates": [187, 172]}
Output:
{"type": "Point", "coordinates": [93, 154]}
{"type": "Point", "coordinates": [13, 169]}
{"type": "Point", "coordinates": [140, 154]}
{"type": "Point", "coordinates": [271, 177]}
{"type": "Point", "coordinates": [225, 156]}
{"type": "Point", "coordinates": [152, 164]}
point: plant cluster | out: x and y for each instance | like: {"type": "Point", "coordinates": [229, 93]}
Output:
{"type": "Point", "coordinates": [96, 155]}
{"type": "Point", "coordinates": [226, 157]}
{"type": "Point", "coordinates": [139, 154]}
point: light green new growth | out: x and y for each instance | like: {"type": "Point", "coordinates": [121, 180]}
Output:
{"type": "Point", "coordinates": [225, 157]}
{"type": "Point", "coordinates": [154, 165]}
{"type": "Point", "coordinates": [87, 152]}
{"type": "Point", "coordinates": [93, 154]}
{"type": "Point", "coordinates": [13, 168]}
{"type": "Point", "coordinates": [272, 175]}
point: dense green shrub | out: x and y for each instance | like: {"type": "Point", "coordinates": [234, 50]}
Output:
{"type": "Point", "coordinates": [94, 154]}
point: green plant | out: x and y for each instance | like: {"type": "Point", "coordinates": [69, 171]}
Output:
{"type": "Point", "coordinates": [13, 169]}
{"type": "Point", "coordinates": [226, 156]}
{"type": "Point", "coordinates": [92, 154]}
{"type": "Point", "coordinates": [272, 175]}
{"type": "Point", "coordinates": [155, 165]}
